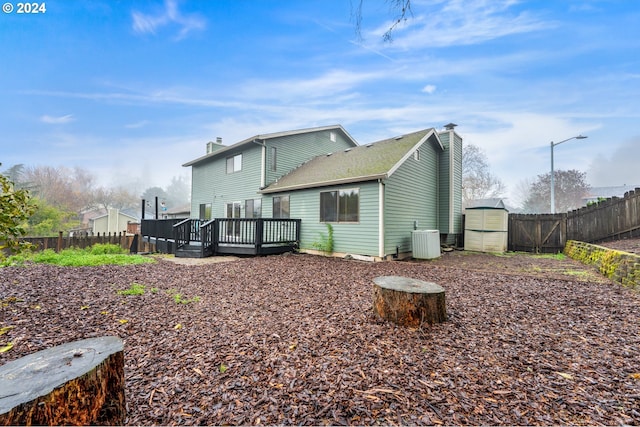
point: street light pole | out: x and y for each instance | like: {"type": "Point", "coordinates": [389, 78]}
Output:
{"type": "Point", "coordinates": [553, 186]}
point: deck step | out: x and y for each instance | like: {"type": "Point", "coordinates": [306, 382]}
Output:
{"type": "Point", "coordinates": [181, 253]}
{"type": "Point", "coordinates": [189, 251]}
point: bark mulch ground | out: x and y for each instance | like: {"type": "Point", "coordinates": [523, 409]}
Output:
{"type": "Point", "coordinates": [293, 340]}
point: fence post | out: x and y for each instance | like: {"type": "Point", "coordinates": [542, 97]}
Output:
{"type": "Point", "coordinates": [59, 245]}
{"type": "Point", "coordinates": [215, 238]}
{"type": "Point", "coordinates": [259, 235]}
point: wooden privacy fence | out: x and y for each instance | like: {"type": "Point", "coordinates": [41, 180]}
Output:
{"type": "Point", "coordinates": [131, 242]}
{"type": "Point", "coordinates": [537, 233]}
{"type": "Point", "coordinates": [613, 218]}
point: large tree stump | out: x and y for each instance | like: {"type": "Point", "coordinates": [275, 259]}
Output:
{"type": "Point", "coordinates": [78, 383]}
{"type": "Point", "coordinates": [408, 302]}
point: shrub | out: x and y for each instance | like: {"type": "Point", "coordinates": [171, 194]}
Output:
{"type": "Point", "coordinates": [106, 248]}
{"type": "Point", "coordinates": [99, 254]}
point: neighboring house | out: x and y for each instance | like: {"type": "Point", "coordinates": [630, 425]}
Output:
{"type": "Point", "coordinates": [178, 212]}
{"type": "Point", "coordinates": [373, 195]}
{"type": "Point", "coordinates": [113, 222]}
{"type": "Point", "coordinates": [598, 193]}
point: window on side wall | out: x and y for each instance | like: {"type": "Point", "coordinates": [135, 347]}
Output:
{"type": "Point", "coordinates": [234, 163]}
{"type": "Point", "coordinates": [205, 211]}
{"type": "Point", "coordinates": [281, 207]}
{"type": "Point", "coordinates": [340, 205]}
{"type": "Point", "coordinates": [253, 208]}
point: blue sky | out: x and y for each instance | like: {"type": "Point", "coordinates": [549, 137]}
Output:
{"type": "Point", "coordinates": [131, 90]}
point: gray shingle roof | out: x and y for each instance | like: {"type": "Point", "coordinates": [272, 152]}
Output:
{"type": "Point", "coordinates": [265, 136]}
{"type": "Point", "coordinates": [363, 163]}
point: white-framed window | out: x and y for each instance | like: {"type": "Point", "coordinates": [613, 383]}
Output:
{"type": "Point", "coordinates": [234, 163]}
{"type": "Point", "coordinates": [233, 210]}
{"type": "Point", "coordinates": [205, 211]}
{"type": "Point", "coordinates": [253, 208]}
{"type": "Point", "coordinates": [281, 206]}
{"type": "Point", "coordinates": [340, 205]}
{"type": "Point", "coordinates": [416, 155]}
{"type": "Point", "coordinates": [332, 136]}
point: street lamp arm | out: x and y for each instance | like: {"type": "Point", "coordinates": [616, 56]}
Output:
{"type": "Point", "coordinates": [553, 144]}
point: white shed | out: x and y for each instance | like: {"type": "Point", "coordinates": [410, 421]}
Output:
{"type": "Point", "coordinates": [486, 229]}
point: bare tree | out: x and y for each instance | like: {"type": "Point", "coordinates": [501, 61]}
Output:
{"type": "Point", "coordinates": [570, 189]}
{"type": "Point", "coordinates": [477, 180]}
{"type": "Point", "coordinates": [117, 198]}
{"type": "Point", "coordinates": [61, 187]}
{"type": "Point", "coordinates": [400, 8]}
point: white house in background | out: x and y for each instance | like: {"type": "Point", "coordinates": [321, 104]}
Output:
{"type": "Point", "coordinates": [113, 222]}
{"type": "Point", "coordinates": [598, 193]}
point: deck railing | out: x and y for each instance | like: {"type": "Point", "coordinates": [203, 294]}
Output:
{"type": "Point", "coordinates": [206, 237]}
{"type": "Point", "coordinates": [186, 231]}
{"type": "Point", "coordinates": [255, 235]}
{"type": "Point", "coordinates": [158, 228]}
{"type": "Point", "coordinates": [230, 235]}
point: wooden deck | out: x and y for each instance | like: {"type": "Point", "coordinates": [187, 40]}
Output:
{"type": "Point", "coordinates": [195, 238]}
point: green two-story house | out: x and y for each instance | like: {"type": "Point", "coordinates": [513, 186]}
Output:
{"type": "Point", "coordinates": [372, 195]}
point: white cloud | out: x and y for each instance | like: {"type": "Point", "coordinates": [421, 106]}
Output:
{"type": "Point", "coordinates": [429, 89]}
{"type": "Point", "coordinates": [149, 23]}
{"type": "Point", "coordinates": [331, 84]}
{"type": "Point", "coordinates": [60, 120]}
{"type": "Point", "coordinates": [461, 22]}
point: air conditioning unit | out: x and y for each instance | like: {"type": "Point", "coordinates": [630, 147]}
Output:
{"type": "Point", "coordinates": [425, 244]}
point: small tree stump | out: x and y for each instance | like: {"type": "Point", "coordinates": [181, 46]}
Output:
{"type": "Point", "coordinates": [408, 302]}
{"type": "Point", "coordinates": [78, 383]}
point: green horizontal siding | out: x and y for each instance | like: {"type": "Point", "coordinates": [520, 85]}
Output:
{"type": "Point", "coordinates": [356, 238]}
{"type": "Point", "coordinates": [410, 195]}
{"type": "Point", "coordinates": [450, 187]}
{"type": "Point", "coordinates": [293, 150]}
{"type": "Point", "coordinates": [212, 184]}
{"type": "Point", "coordinates": [456, 179]}
{"type": "Point", "coordinates": [444, 186]}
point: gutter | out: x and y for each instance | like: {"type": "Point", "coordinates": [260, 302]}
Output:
{"type": "Point", "coordinates": [324, 183]}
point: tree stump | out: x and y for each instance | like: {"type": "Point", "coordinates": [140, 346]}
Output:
{"type": "Point", "coordinates": [408, 302]}
{"type": "Point", "coordinates": [78, 383]}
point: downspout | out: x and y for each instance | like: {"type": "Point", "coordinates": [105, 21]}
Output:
{"type": "Point", "coordinates": [380, 218]}
{"type": "Point", "coordinates": [438, 193]}
{"type": "Point", "coordinates": [263, 162]}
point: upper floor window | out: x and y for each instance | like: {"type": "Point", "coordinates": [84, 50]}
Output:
{"type": "Point", "coordinates": [332, 136]}
{"type": "Point", "coordinates": [234, 163]}
{"type": "Point", "coordinates": [281, 206]}
{"type": "Point", "coordinates": [416, 155]}
{"type": "Point", "coordinates": [340, 206]}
